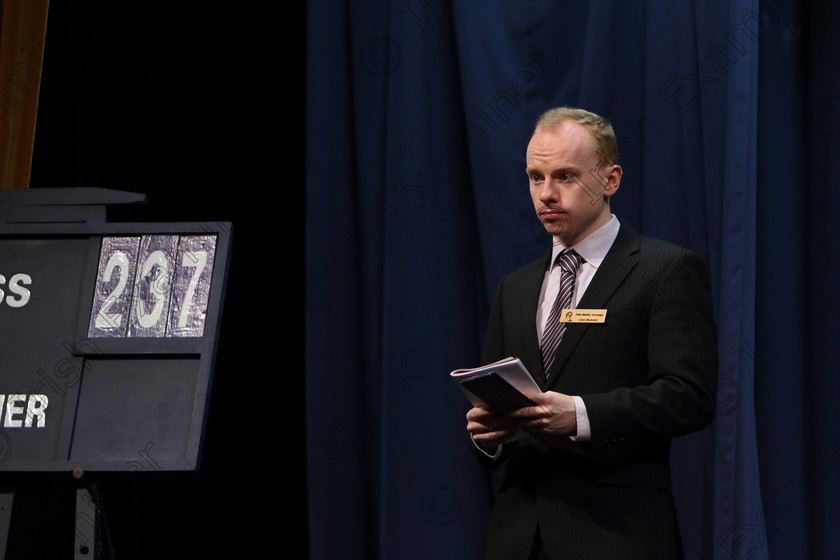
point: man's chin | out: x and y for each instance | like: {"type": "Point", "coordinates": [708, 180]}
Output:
{"type": "Point", "coordinates": [560, 231]}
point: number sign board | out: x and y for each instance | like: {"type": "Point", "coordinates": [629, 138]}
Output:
{"type": "Point", "coordinates": [107, 335]}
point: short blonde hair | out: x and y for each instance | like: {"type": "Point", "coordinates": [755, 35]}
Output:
{"type": "Point", "coordinates": [600, 128]}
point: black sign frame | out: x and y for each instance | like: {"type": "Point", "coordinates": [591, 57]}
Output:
{"type": "Point", "coordinates": [105, 429]}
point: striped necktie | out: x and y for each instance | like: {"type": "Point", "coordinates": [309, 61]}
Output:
{"type": "Point", "coordinates": [568, 261]}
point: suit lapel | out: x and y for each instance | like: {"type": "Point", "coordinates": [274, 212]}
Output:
{"type": "Point", "coordinates": [619, 261]}
{"type": "Point", "coordinates": [528, 308]}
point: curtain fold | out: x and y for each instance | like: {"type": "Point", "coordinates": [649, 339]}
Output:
{"type": "Point", "coordinates": [738, 506]}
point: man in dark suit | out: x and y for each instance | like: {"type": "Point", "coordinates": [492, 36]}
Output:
{"type": "Point", "coordinates": [587, 468]}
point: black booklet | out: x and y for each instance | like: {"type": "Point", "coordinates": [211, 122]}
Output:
{"type": "Point", "coordinates": [501, 386]}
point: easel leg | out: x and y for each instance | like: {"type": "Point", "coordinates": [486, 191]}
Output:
{"type": "Point", "coordinates": [85, 545]}
{"type": "Point", "coordinates": [6, 499]}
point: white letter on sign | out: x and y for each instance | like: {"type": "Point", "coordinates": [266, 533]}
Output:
{"type": "Point", "coordinates": [35, 407]}
{"type": "Point", "coordinates": [16, 288]}
{"type": "Point", "coordinates": [12, 409]}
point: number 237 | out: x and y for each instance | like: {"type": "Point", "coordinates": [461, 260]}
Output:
{"type": "Point", "coordinates": [156, 286]}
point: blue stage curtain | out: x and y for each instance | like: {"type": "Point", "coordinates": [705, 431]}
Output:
{"type": "Point", "coordinates": [795, 348]}
{"type": "Point", "coordinates": [418, 113]}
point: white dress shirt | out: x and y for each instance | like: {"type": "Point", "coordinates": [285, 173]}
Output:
{"type": "Point", "coordinates": [592, 249]}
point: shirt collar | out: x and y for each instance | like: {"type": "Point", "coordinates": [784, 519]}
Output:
{"type": "Point", "coordinates": [594, 247]}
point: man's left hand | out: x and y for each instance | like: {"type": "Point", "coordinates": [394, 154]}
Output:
{"type": "Point", "coordinates": [553, 416]}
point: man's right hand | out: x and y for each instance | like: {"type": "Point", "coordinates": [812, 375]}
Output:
{"type": "Point", "coordinates": [490, 429]}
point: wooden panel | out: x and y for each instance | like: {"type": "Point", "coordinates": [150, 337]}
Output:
{"type": "Point", "coordinates": [22, 33]}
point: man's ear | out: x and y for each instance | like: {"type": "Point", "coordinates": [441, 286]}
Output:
{"type": "Point", "coordinates": [612, 180]}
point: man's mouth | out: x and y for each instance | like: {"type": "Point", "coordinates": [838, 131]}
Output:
{"type": "Point", "coordinates": [551, 213]}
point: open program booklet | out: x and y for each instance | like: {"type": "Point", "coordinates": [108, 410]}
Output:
{"type": "Point", "coordinates": [502, 385]}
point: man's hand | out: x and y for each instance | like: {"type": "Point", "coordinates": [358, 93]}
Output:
{"type": "Point", "coordinates": [553, 416]}
{"type": "Point", "coordinates": [490, 429]}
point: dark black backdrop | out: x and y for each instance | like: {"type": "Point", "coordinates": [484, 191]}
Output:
{"type": "Point", "coordinates": [202, 111]}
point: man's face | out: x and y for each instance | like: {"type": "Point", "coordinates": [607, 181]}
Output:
{"type": "Point", "coordinates": [570, 182]}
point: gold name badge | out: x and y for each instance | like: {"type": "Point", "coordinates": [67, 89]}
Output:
{"type": "Point", "coordinates": [583, 315]}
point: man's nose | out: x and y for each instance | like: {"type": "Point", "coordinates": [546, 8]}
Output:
{"type": "Point", "coordinates": [548, 192]}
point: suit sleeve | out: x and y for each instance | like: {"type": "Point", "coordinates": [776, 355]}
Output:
{"type": "Point", "coordinates": [492, 352]}
{"type": "Point", "coordinates": [679, 395]}
{"type": "Point", "coordinates": [493, 344]}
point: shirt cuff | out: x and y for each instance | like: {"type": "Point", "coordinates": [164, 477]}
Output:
{"type": "Point", "coordinates": [584, 433]}
{"type": "Point", "coordinates": [493, 456]}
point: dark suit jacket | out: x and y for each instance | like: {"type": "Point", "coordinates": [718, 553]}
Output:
{"type": "Point", "coordinates": [647, 374]}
